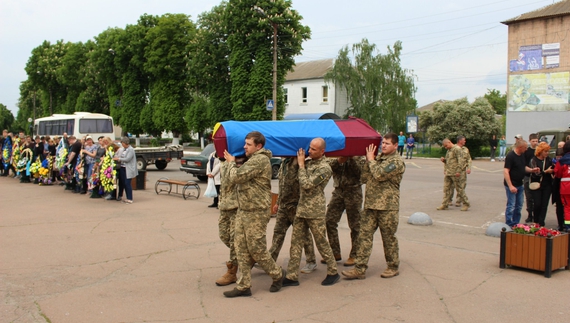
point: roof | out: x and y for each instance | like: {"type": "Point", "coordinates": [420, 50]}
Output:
{"type": "Point", "coordinates": [311, 116]}
{"type": "Point", "coordinates": [561, 8]}
{"type": "Point", "coordinates": [429, 107]}
{"type": "Point", "coordinates": [310, 70]}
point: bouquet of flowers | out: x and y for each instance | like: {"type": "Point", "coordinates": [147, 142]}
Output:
{"type": "Point", "coordinates": [16, 153]}
{"type": "Point", "coordinates": [107, 173]}
{"type": "Point", "coordinates": [23, 160]}
{"type": "Point", "coordinates": [534, 229]}
{"type": "Point", "coordinates": [60, 155]}
{"type": "Point", "coordinates": [35, 168]}
{"type": "Point", "coordinates": [45, 171]}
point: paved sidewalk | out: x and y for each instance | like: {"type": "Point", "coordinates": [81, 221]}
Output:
{"type": "Point", "coordinates": [67, 258]}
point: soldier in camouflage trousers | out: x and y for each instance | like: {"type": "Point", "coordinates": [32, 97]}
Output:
{"type": "Point", "coordinates": [454, 164]}
{"type": "Point", "coordinates": [253, 180]}
{"type": "Point", "coordinates": [228, 205]}
{"type": "Point", "coordinates": [347, 195]}
{"type": "Point", "coordinates": [467, 162]}
{"type": "Point", "coordinates": [382, 175]}
{"type": "Point", "coordinates": [311, 212]}
{"type": "Point", "coordinates": [286, 208]}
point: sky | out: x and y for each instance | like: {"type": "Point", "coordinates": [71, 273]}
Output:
{"type": "Point", "coordinates": [455, 48]}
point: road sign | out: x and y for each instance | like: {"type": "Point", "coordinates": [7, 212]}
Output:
{"type": "Point", "coordinates": [269, 105]}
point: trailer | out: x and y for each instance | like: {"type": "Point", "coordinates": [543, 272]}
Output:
{"type": "Point", "coordinates": [159, 156]}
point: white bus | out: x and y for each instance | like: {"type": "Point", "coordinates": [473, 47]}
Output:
{"type": "Point", "coordinates": [78, 124]}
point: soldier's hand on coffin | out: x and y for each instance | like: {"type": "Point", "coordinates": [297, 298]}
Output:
{"type": "Point", "coordinates": [228, 157]}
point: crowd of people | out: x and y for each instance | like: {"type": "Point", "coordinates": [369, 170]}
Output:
{"type": "Point", "coordinates": [102, 169]}
{"type": "Point", "coordinates": [243, 185]}
{"type": "Point", "coordinates": [531, 175]}
{"type": "Point", "coordinates": [245, 202]}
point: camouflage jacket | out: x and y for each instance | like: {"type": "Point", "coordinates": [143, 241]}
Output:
{"type": "Point", "coordinates": [383, 177]}
{"type": "Point", "coordinates": [467, 161]}
{"type": "Point", "coordinates": [288, 184]}
{"type": "Point", "coordinates": [253, 180]}
{"type": "Point", "coordinates": [313, 179]}
{"type": "Point", "coordinates": [348, 174]}
{"type": "Point", "coordinates": [228, 191]}
{"type": "Point", "coordinates": [453, 161]}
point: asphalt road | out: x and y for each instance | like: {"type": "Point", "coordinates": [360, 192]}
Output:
{"type": "Point", "coordinates": [67, 258]}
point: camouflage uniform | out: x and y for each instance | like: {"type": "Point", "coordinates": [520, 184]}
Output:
{"type": "Point", "coordinates": [228, 205]}
{"type": "Point", "coordinates": [311, 213]}
{"type": "Point", "coordinates": [287, 202]}
{"type": "Point", "coordinates": [453, 165]}
{"type": "Point", "coordinates": [253, 181]}
{"type": "Point", "coordinates": [462, 182]}
{"type": "Point", "coordinates": [347, 195]}
{"type": "Point", "coordinates": [381, 209]}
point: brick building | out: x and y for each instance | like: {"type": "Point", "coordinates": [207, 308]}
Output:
{"type": "Point", "coordinates": [538, 90]}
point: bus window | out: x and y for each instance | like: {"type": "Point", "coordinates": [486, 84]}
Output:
{"type": "Point", "coordinates": [104, 126]}
{"type": "Point", "coordinates": [70, 126]}
{"type": "Point", "coordinates": [95, 126]}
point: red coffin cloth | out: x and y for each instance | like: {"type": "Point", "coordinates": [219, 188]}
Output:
{"type": "Point", "coordinates": [359, 135]}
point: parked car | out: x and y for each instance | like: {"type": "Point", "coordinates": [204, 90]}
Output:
{"type": "Point", "coordinates": [196, 165]}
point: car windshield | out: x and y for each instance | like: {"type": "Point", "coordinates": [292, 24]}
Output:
{"type": "Point", "coordinates": [208, 150]}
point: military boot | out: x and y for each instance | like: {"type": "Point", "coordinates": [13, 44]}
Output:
{"type": "Point", "coordinates": [442, 207]}
{"type": "Point", "coordinates": [230, 276]}
{"type": "Point", "coordinates": [236, 293]}
{"type": "Point", "coordinates": [465, 207]}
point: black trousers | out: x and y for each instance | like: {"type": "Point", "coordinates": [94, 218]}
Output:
{"type": "Point", "coordinates": [541, 198]}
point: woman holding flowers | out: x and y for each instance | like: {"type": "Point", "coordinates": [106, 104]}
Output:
{"type": "Point", "coordinates": [128, 169]}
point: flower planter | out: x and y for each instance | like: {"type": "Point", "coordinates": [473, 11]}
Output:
{"type": "Point", "coordinates": [535, 252]}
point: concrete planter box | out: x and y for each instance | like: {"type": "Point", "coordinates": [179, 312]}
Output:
{"type": "Point", "coordinates": [534, 252]}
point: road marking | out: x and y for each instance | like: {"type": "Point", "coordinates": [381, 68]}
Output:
{"type": "Point", "coordinates": [414, 164]}
{"type": "Point", "coordinates": [488, 171]}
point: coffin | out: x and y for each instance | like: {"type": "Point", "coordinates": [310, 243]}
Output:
{"type": "Point", "coordinates": [348, 137]}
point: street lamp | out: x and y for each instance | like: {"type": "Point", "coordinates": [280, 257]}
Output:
{"type": "Point", "coordinates": [261, 12]}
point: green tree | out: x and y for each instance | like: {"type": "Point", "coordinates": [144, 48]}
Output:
{"type": "Point", "coordinates": [497, 100]}
{"type": "Point", "coordinates": [250, 37]}
{"type": "Point", "coordinates": [93, 97]}
{"type": "Point", "coordinates": [476, 121]}
{"type": "Point", "coordinates": [6, 118]}
{"type": "Point", "coordinates": [167, 63]}
{"type": "Point", "coordinates": [210, 65]}
{"type": "Point", "coordinates": [43, 69]}
{"type": "Point", "coordinates": [379, 89]}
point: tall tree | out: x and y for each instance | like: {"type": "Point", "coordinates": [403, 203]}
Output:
{"type": "Point", "coordinates": [379, 89]}
{"type": "Point", "coordinates": [167, 63]}
{"type": "Point", "coordinates": [476, 121]}
{"type": "Point", "coordinates": [250, 37]}
{"type": "Point", "coordinates": [210, 65]}
{"type": "Point", "coordinates": [497, 100]}
{"type": "Point", "coordinates": [42, 69]}
{"type": "Point", "coordinates": [6, 118]}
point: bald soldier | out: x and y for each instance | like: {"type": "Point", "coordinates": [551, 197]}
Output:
{"type": "Point", "coordinates": [314, 174]}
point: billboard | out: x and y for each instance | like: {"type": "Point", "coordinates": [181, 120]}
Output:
{"type": "Point", "coordinates": [536, 57]}
{"type": "Point", "coordinates": [539, 92]}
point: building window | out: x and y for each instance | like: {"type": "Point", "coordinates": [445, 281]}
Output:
{"type": "Point", "coordinates": [325, 93]}
{"type": "Point", "coordinates": [304, 94]}
{"type": "Point", "coordinates": [285, 92]}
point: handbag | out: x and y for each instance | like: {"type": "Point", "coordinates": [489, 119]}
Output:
{"type": "Point", "coordinates": [211, 189]}
{"type": "Point", "coordinates": [536, 185]}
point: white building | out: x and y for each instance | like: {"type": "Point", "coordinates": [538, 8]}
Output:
{"type": "Point", "coordinates": [306, 91]}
